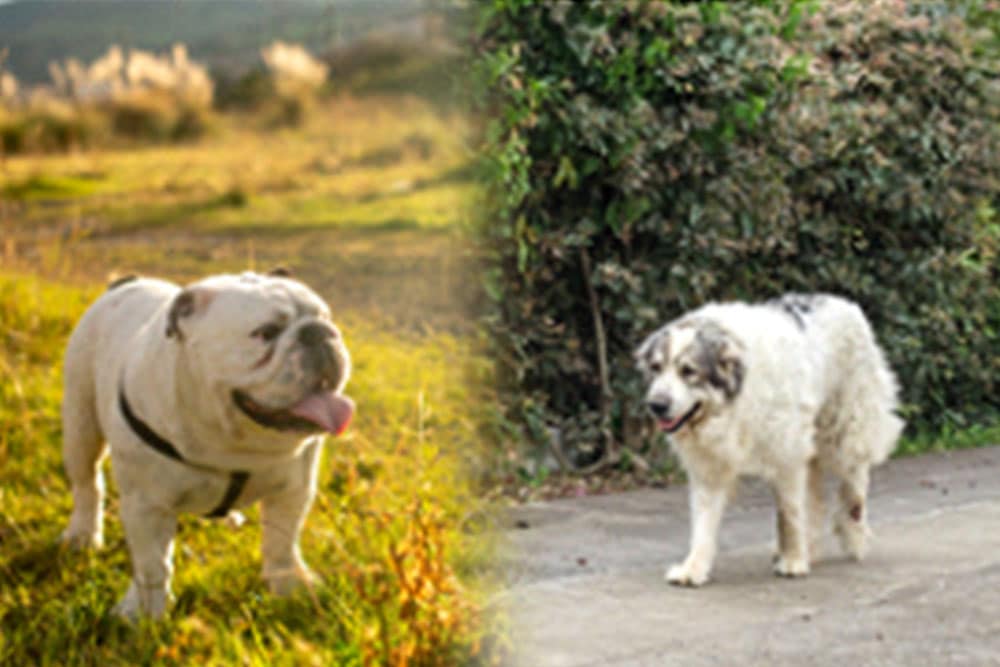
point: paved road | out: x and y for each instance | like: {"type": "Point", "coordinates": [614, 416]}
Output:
{"type": "Point", "coordinates": [588, 588]}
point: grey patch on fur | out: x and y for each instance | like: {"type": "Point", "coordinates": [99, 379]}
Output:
{"type": "Point", "coordinates": [725, 372]}
{"type": "Point", "coordinates": [797, 306]}
{"type": "Point", "coordinates": [182, 306]}
{"type": "Point", "coordinates": [118, 282]}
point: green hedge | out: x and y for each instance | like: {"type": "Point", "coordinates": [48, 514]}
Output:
{"type": "Point", "coordinates": [646, 157]}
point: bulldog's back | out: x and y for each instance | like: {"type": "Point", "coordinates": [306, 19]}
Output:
{"type": "Point", "coordinates": [107, 329]}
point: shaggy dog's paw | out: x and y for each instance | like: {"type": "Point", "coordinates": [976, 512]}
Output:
{"type": "Point", "coordinates": [853, 538]}
{"type": "Point", "coordinates": [791, 567]}
{"type": "Point", "coordinates": [684, 575]}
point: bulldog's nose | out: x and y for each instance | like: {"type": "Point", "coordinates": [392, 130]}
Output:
{"type": "Point", "coordinates": [316, 333]}
{"type": "Point", "coordinates": [660, 409]}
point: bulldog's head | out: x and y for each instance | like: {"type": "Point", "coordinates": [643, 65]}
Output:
{"type": "Point", "coordinates": [694, 368]}
{"type": "Point", "coordinates": [266, 351]}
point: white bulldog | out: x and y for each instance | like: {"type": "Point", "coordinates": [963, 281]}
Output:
{"type": "Point", "coordinates": [210, 398]}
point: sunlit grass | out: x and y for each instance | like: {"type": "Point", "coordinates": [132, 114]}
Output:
{"type": "Point", "coordinates": [365, 203]}
{"type": "Point", "coordinates": [396, 532]}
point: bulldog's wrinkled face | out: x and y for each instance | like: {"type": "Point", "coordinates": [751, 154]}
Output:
{"type": "Point", "coordinates": [268, 347]}
{"type": "Point", "coordinates": [693, 367]}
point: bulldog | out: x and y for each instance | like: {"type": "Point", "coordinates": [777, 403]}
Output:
{"type": "Point", "coordinates": [210, 398]}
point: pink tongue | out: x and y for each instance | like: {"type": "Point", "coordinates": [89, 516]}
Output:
{"type": "Point", "coordinates": [328, 410]}
{"type": "Point", "coordinates": [667, 425]}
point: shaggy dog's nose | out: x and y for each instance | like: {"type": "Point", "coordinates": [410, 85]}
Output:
{"type": "Point", "coordinates": [659, 409]}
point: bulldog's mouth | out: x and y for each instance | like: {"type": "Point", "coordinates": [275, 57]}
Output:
{"type": "Point", "coordinates": [321, 410]}
{"type": "Point", "coordinates": [674, 425]}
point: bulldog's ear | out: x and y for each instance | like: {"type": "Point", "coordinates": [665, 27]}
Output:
{"type": "Point", "coordinates": [187, 303]}
{"type": "Point", "coordinates": [280, 272]}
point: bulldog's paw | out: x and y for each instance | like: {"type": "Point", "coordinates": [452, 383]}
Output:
{"type": "Point", "coordinates": [79, 537]}
{"type": "Point", "coordinates": [791, 567]}
{"type": "Point", "coordinates": [285, 581]}
{"type": "Point", "coordinates": [685, 574]}
{"type": "Point", "coordinates": [149, 601]}
{"type": "Point", "coordinates": [128, 610]}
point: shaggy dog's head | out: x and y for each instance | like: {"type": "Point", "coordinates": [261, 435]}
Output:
{"type": "Point", "coordinates": [694, 367]}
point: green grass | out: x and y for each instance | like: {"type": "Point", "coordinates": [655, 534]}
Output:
{"type": "Point", "coordinates": [976, 435]}
{"type": "Point", "coordinates": [396, 483]}
{"type": "Point", "coordinates": [397, 533]}
{"type": "Point", "coordinates": [52, 187]}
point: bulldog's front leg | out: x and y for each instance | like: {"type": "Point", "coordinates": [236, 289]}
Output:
{"type": "Point", "coordinates": [282, 517]}
{"type": "Point", "coordinates": [149, 532]}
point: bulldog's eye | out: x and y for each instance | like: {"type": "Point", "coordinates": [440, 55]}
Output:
{"type": "Point", "coordinates": [267, 332]}
{"type": "Point", "coordinates": [688, 371]}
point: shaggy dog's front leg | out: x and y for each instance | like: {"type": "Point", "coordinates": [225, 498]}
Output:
{"type": "Point", "coordinates": [707, 506]}
{"type": "Point", "coordinates": [149, 532]}
{"type": "Point", "coordinates": [793, 523]}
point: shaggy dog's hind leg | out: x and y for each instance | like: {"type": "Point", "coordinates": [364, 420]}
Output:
{"type": "Point", "coordinates": [817, 510]}
{"type": "Point", "coordinates": [851, 523]}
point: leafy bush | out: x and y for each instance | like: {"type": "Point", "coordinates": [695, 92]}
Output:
{"type": "Point", "coordinates": [51, 128]}
{"type": "Point", "coordinates": [248, 92]}
{"type": "Point", "coordinates": [135, 96]}
{"type": "Point", "coordinates": [647, 157]}
{"type": "Point", "coordinates": [296, 79]}
{"type": "Point", "coordinates": [153, 117]}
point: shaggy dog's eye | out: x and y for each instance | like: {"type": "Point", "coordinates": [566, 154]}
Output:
{"type": "Point", "coordinates": [655, 367]}
{"type": "Point", "coordinates": [267, 332]}
{"type": "Point", "coordinates": [688, 371]}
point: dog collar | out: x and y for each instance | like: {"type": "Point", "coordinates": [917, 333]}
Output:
{"type": "Point", "coordinates": [237, 478]}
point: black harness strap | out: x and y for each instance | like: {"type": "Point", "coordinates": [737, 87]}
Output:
{"type": "Point", "coordinates": [145, 433]}
{"type": "Point", "coordinates": [237, 478]}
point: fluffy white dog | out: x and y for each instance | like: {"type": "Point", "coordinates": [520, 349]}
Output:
{"type": "Point", "coordinates": [210, 398]}
{"type": "Point", "coordinates": [785, 390]}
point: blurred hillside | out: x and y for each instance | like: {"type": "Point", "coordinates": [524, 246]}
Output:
{"type": "Point", "coordinates": [227, 35]}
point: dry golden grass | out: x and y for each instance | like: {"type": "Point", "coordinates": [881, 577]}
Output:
{"type": "Point", "coordinates": [368, 196]}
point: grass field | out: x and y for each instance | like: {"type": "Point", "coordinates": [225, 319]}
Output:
{"type": "Point", "coordinates": [367, 203]}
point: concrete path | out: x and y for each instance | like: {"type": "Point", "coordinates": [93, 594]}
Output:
{"type": "Point", "coordinates": [588, 584]}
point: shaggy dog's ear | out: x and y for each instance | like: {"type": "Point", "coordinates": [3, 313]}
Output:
{"type": "Point", "coordinates": [721, 359]}
{"type": "Point", "coordinates": [190, 301]}
{"type": "Point", "coordinates": [645, 350]}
